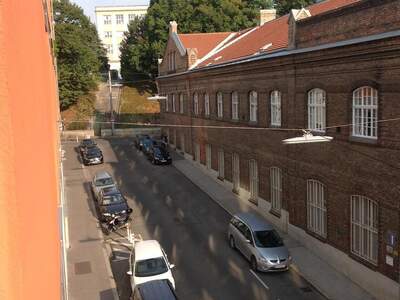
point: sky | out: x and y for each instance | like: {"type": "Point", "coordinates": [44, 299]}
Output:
{"type": "Point", "coordinates": [89, 5]}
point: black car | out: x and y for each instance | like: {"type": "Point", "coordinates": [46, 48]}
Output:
{"type": "Point", "coordinates": [111, 203]}
{"type": "Point", "coordinates": [86, 143]}
{"type": "Point", "coordinates": [139, 140]}
{"type": "Point", "coordinates": [154, 290]}
{"type": "Point", "coordinates": [147, 145]}
{"type": "Point", "coordinates": [92, 156]}
{"type": "Point", "coordinates": [158, 155]}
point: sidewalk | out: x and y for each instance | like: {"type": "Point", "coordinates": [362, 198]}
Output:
{"type": "Point", "coordinates": [331, 283]}
{"type": "Point", "coordinates": [89, 272]}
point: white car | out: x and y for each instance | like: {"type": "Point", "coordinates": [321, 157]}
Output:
{"type": "Point", "coordinates": [101, 181]}
{"type": "Point", "coordinates": [149, 262]}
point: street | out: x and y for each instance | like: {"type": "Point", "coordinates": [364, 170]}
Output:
{"type": "Point", "coordinates": [190, 226]}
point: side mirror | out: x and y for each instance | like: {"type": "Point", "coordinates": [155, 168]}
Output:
{"type": "Point", "coordinates": [129, 273]}
{"type": "Point", "coordinates": [171, 266]}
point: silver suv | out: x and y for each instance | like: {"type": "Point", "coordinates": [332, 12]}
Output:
{"type": "Point", "coordinates": [259, 242]}
{"type": "Point", "coordinates": [101, 181]}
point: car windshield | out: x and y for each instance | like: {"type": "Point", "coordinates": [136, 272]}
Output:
{"type": "Point", "coordinates": [113, 199]}
{"type": "Point", "coordinates": [160, 151]}
{"type": "Point", "coordinates": [150, 267]}
{"type": "Point", "coordinates": [104, 181]}
{"type": "Point", "coordinates": [88, 142]}
{"type": "Point", "coordinates": [93, 152]}
{"type": "Point", "coordinates": [267, 239]}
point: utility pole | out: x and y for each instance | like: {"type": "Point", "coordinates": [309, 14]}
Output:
{"type": "Point", "coordinates": [111, 103]}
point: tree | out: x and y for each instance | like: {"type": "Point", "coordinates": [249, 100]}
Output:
{"type": "Point", "coordinates": [284, 6]}
{"type": "Point", "coordinates": [80, 55]}
{"type": "Point", "coordinates": [192, 16]}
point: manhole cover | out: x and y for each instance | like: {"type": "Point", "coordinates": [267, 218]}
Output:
{"type": "Point", "coordinates": [306, 289]}
{"type": "Point", "coordinates": [83, 268]}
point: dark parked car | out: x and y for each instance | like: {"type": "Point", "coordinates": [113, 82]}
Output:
{"type": "Point", "coordinates": [139, 140]}
{"type": "Point", "coordinates": [154, 290]}
{"type": "Point", "coordinates": [86, 143]}
{"type": "Point", "coordinates": [158, 155]}
{"type": "Point", "coordinates": [111, 203]}
{"type": "Point", "coordinates": [92, 156]}
{"type": "Point", "coordinates": [147, 145]}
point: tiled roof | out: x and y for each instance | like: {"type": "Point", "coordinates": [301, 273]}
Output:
{"type": "Point", "coordinates": [271, 36]}
{"type": "Point", "coordinates": [204, 42]}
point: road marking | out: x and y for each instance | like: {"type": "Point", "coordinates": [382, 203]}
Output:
{"type": "Point", "coordinates": [259, 280]}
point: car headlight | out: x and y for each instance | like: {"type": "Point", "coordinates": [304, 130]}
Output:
{"type": "Point", "coordinates": [124, 211]}
{"type": "Point", "coordinates": [264, 260]}
{"type": "Point", "coordinates": [107, 214]}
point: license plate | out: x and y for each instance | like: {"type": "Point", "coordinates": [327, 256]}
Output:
{"type": "Point", "coordinates": [280, 266]}
{"type": "Point", "coordinates": [163, 160]}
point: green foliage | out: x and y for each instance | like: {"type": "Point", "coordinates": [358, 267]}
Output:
{"type": "Point", "coordinates": [80, 55]}
{"type": "Point", "coordinates": [284, 6]}
{"type": "Point", "coordinates": [146, 38]}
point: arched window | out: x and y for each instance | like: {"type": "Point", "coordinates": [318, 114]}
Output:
{"type": "Point", "coordinates": [206, 105]}
{"type": "Point", "coordinates": [220, 105]}
{"type": "Point", "coordinates": [316, 110]}
{"type": "Point", "coordinates": [365, 112]}
{"type": "Point", "coordinates": [276, 108]}
{"type": "Point", "coordinates": [235, 105]}
{"type": "Point", "coordinates": [181, 103]}
{"type": "Point", "coordinates": [195, 103]}
{"type": "Point", "coordinates": [364, 228]}
{"type": "Point", "coordinates": [316, 207]}
{"type": "Point", "coordinates": [253, 106]}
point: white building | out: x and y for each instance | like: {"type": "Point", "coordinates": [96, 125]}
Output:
{"type": "Point", "coordinates": [112, 22]}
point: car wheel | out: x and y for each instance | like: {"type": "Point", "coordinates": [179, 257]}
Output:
{"type": "Point", "coordinates": [232, 242]}
{"type": "Point", "coordinates": [253, 264]}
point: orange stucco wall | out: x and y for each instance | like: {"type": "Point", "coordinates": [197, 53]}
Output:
{"type": "Point", "coordinates": [29, 192]}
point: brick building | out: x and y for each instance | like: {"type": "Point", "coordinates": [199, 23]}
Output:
{"type": "Point", "coordinates": [332, 68]}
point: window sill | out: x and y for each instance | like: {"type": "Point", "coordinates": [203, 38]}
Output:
{"type": "Point", "coordinates": [253, 123]}
{"type": "Point", "coordinates": [235, 120]}
{"type": "Point", "coordinates": [275, 126]}
{"type": "Point", "coordinates": [275, 213]}
{"type": "Point", "coordinates": [364, 140]}
{"type": "Point", "coordinates": [220, 178]}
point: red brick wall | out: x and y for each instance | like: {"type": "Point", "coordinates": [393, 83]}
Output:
{"type": "Point", "coordinates": [361, 19]}
{"type": "Point", "coordinates": [344, 166]}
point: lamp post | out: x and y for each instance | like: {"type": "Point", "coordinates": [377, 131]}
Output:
{"type": "Point", "coordinates": [111, 103]}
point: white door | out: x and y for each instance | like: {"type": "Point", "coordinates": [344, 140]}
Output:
{"type": "Point", "coordinates": [236, 172]}
{"type": "Point", "coordinates": [208, 156]}
{"type": "Point", "coordinates": [253, 180]}
{"type": "Point", "coordinates": [221, 164]}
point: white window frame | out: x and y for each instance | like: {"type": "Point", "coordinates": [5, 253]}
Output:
{"type": "Point", "coordinates": [206, 105]}
{"type": "Point", "coordinates": [131, 17]}
{"type": "Point", "coordinates": [119, 19]}
{"type": "Point", "coordinates": [220, 105]}
{"type": "Point", "coordinates": [236, 172]}
{"type": "Point", "coordinates": [364, 228]}
{"type": "Point", "coordinates": [173, 103]}
{"type": "Point", "coordinates": [317, 110]}
{"type": "Point", "coordinates": [221, 164]}
{"type": "Point", "coordinates": [276, 112]}
{"type": "Point", "coordinates": [196, 103]}
{"type": "Point", "coordinates": [167, 103]}
{"type": "Point", "coordinates": [253, 106]}
{"type": "Point", "coordinates": [253, 180]}
{"type": "Point", "coordinates": [316, 208]}
{"type": "Point", "coordinates": [235, 105]}
{"type": "Point", "coordinates": [181, 108]}
{"type": "Point", "coordinates": [109, 48]}
{"type": "Point", "coordinates": [107, 19]}
{"type": "Point", "coordinates": [276, 189]}
{"type": "Point", "coordinates": [208, 156]}
{"type": "Point", "coordinates": [365, 112]}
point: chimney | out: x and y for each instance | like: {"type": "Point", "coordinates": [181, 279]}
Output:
{"type": "Point", "coordinates": [173, 27]}
{"type": "Point", "coordinates": [267, 15]}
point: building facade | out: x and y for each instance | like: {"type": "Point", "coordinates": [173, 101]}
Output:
{"type": "Point", "coordinates": [112, 22]}
{"type": "Point", "coordinates": [30, 239]}
{"type": "Point", "coordinates": [333, 69]}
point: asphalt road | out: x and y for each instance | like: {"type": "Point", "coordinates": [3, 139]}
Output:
{"type": "Point", "coordinates": [191, 227]}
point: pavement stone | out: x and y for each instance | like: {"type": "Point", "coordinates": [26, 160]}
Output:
{"type": "Point", "coordinates": [328, 281]}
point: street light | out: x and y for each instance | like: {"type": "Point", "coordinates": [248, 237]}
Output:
{"type": "Point", "coordinates": [157, 97]}
{"type": "Point", "coordinates": [307, 137]}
